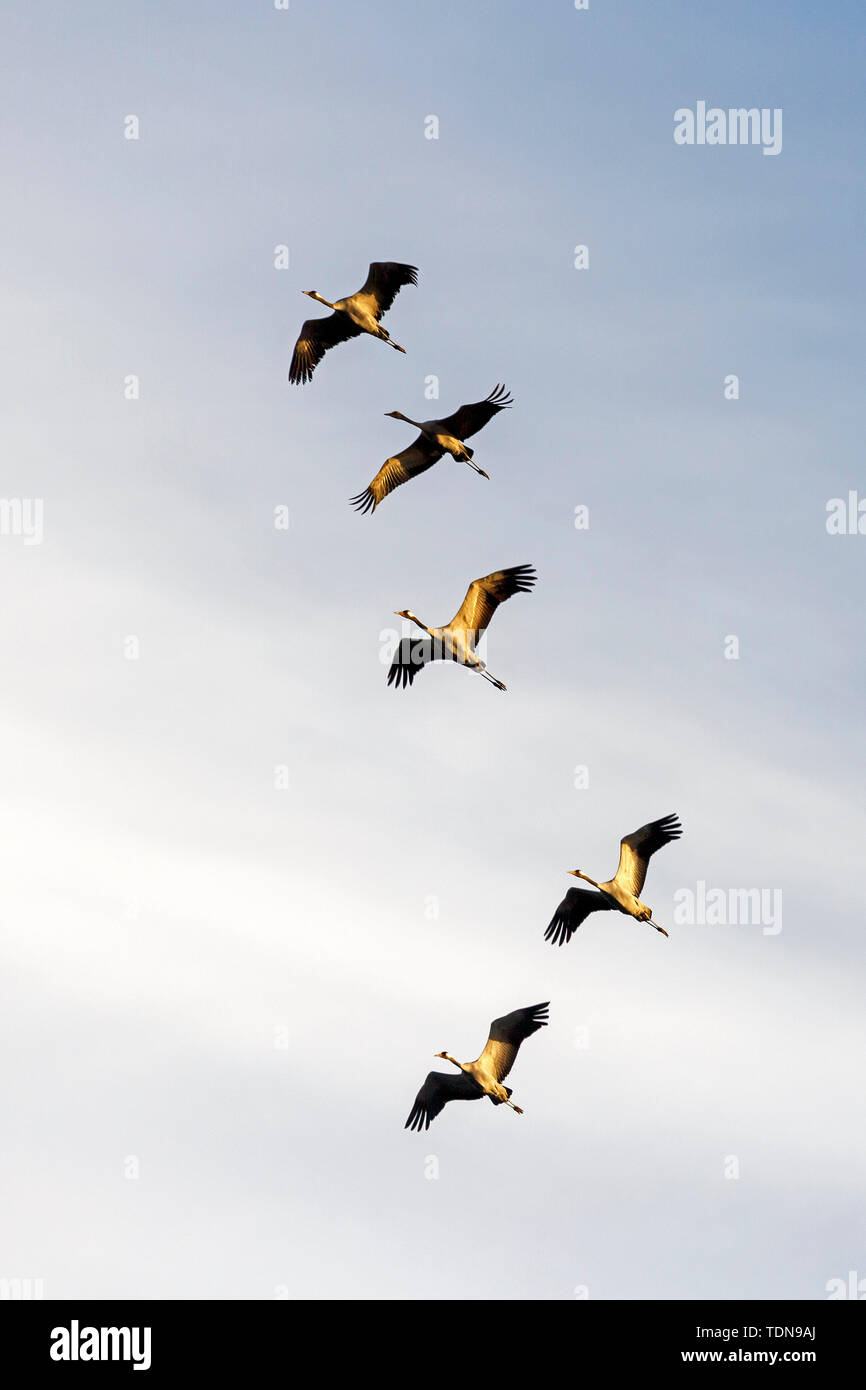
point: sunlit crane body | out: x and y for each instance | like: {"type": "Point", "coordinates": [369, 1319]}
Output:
{"type": "Point", "coordinates": [437, 437]}
{"type": "Point", "coordinates": [621, 892]}
{"type": "Point", "coordinates": [359, 313]}
{"type": "Point", "coordinates": [483, 1077]}
{"type": "Point", "coordinates": [456, 641]}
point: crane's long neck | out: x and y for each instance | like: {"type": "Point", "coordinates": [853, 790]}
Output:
{"type": "Point", "coordinates": [424, 628]}
{"type": "Point", "coordinates": [314, 294]}
{"type": "Point", "coordinates": [446, 1057]}
{"type": "Point", "coordinates": [578, 873]}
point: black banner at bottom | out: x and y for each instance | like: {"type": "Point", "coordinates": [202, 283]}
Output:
{"type": "Point", "coordinates": [157, 1339]}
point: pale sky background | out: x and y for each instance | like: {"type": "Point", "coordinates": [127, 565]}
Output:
{"type": "Point", "coordinates": [165, 911]}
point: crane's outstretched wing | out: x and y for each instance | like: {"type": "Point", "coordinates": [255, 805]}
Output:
{"type": "Point", "coordinates": [317, 336]}
{"type": "Point", "coordinates": [506, 1035]}
{"type": "Point", "coordinates": [419, 456]}
{"type": "Point", "coordinates": [469, 419]}
{"type": "Point", "coordinates": [435, 1094]}
{"type": "Point", "coordinates": [574, 909]}
{"type": "Point", "coordinates": [636, 850]}
{"type": "Point", "coordinates": [411, 655]}
{"type": "Point", "coordinates": [484, 596]}
{"type": "Point", "coordinates": [384, 281]}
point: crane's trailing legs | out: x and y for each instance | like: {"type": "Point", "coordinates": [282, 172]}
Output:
{"type": "Point", "coordinates": [493, 681]}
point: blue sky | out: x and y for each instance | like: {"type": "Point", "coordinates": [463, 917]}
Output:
{"type": "Point", "coordinates": [167, 912]}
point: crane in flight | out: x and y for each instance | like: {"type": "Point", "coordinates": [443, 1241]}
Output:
{"type": "Point", "coordinates": [359, 313]}
{"type": "Point", "coordinates": [456, 640]}
{"type": "Point", "coordinates": [437, 437]}
{"type": "Point", "coordinates": [621, 892]}
{"type": "Point", "coordinates": [483, 1077]}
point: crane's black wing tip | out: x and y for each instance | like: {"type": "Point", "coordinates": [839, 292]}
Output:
{"type": "Point", "coordinates": [301, 368]}
{"type": "Point", "coordinates": [523, 577]}
{"type": "Point", "coordinates": [559, 933]}
{"type": "Point", "coordinates": [501, 397]}
{"type": "Point", "coordinates": [401, 676]}
{"type": "Point", "coordinates": [535, 1017]}
{"type": "Point", "coordinates": [398, 272]}
{"type": "Point", "coordinates": [410, 656]}
{"type": "Point", "coordinates": [418, 1120]}
{"type": "Point", "coordinates": [364, 502]}
{"type": "Point", "coordinates": [671, 825]}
